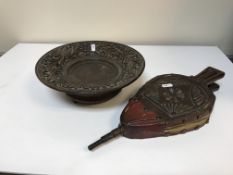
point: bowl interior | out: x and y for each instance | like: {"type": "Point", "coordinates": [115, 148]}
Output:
{"type": "Point", "coordinates": [90, 68]}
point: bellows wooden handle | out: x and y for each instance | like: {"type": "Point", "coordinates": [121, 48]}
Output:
{"type": "Point", "coordinates": [210, 75]}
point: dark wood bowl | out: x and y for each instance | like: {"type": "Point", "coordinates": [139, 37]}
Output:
{"type": "Point", "coordinates": [90, 71]}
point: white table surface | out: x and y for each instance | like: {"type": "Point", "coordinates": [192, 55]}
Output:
{"type": "Point", "coordinates": [42, 131]}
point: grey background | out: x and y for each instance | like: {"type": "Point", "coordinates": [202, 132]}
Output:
{"type": "Point", "coordinates": [170, 22]}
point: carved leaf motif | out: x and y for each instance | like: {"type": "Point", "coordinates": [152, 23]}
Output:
{"type": "Point", "coordinates": [198, 96]}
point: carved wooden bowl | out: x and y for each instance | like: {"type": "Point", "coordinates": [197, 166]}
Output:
{"type": "Point", "coordinates": [90, 71]}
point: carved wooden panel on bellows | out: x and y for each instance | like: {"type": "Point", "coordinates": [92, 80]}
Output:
{"type": "Point", "coordinates": [176, 95]}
